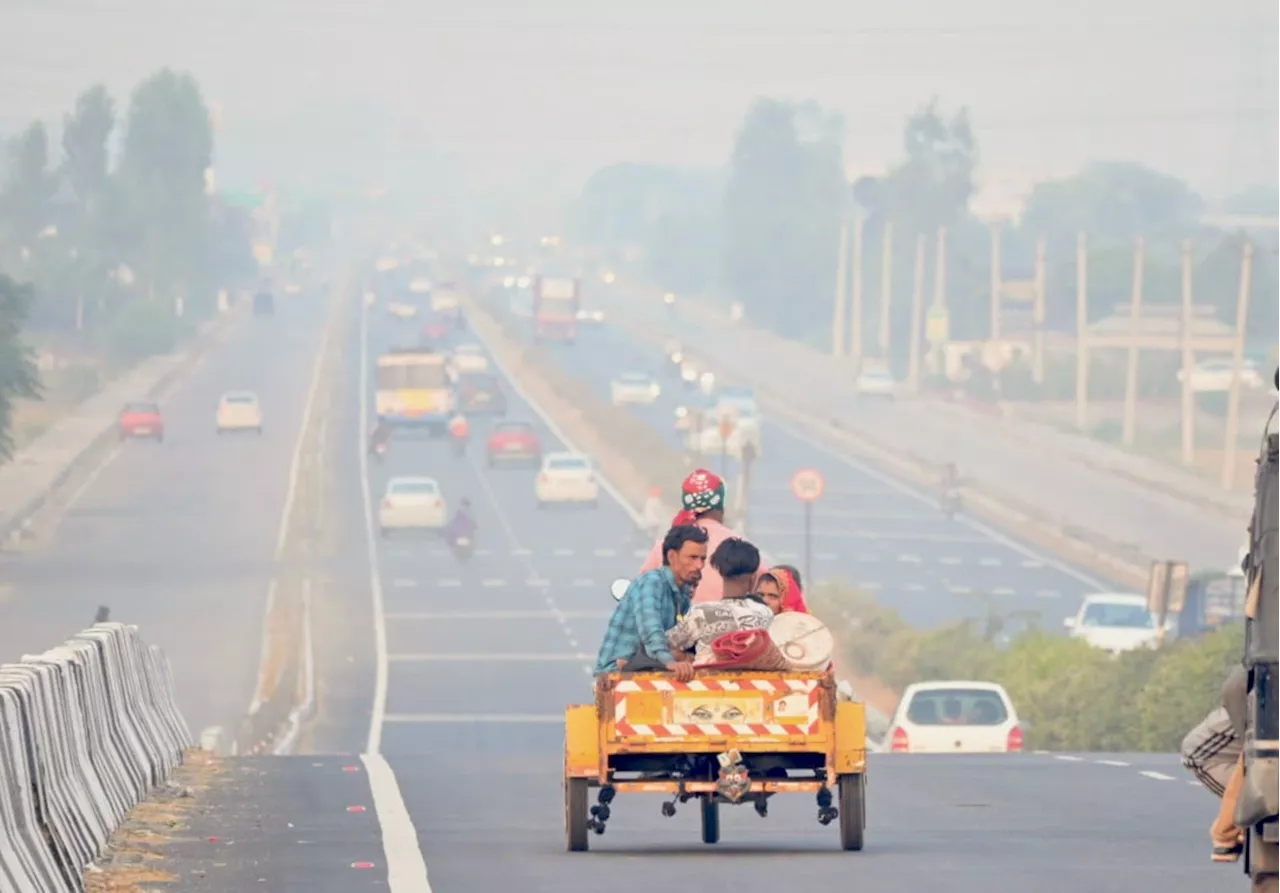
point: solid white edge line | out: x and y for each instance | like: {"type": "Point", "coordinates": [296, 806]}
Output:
{"type": "Point", "coordinates": [374, 742]}
{"type": "Point", "coordinates": [406, 868]}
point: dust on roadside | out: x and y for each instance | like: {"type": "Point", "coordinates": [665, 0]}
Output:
{"type": "Point", "coordinates": [133, 861]}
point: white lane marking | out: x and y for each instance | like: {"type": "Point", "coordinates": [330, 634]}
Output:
{"type": "Point", "coordinates": [573, 643]}
{"type": "Point", "coordinates": [990, 562]}
{"type": "Point", "coordinates": [401, 583]}
{"type": "Point", "coordinates": [1068, 759]}
{"type": "Point", "coordinates": [374, 743]}
{"type": "Point", "coordinates": [584, 583]}
{"type": "Point", "coordinates": [498, 657]}
{"type": "Point", "coordinates": [949, 559]}
{"type": "Point", "coordinates": [1048, 593]}
{"type": "Point", "coordinates": [606, 553]}
{"type": "Point", "coordinates": [1002, 590]}
{"type": "Point", "coordinates": [641, 553]}
{"type": "Point", "coordinates": [960, 590]}
{"type": "Point", "coordinates": [537, 582]}
{"type": "Point", "coordinates": [913, 587]}
{"type": "Point", "coordinates": [475, 718]}
{"type": "Point", "coordinates": [282, 532]}
{"type": "Point", "coordinates": [521, 552]}
{"type": "Point", "coordinates": [88, 481]}
{"type": "Point", "coordinates": [1111, 762]}
{"type": "Point", "coordinates": [449, 583]}
{"type": "Point", "coordinates": [406, 869]}
{"type": "Point", "coordinates": [492, 582]}
{"type": "Point", "coordinates": [498, 615]}
{"type": "Point", "coordinates": [1158, 776]}
{"type": "Point", "coordinates": [910, 559]}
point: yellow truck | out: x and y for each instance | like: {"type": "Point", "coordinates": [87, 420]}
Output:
{"type": "Point", "coordinates": [725, 737]}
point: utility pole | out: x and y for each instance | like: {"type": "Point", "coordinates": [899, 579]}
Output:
{"type": "Point", "coordinates": [1037, 349]}
{"type": "Point", "coordinates": [1131, 372]}
{"type": "Point", "coordinates": [917, 308]}
{"type": "Point", "coordinates": [997, 281]}
{"type": "Point", "coordinates": [1188, 362]}
{"type": "Point", "coordinates": [940, 294]}
{"type": "Point", "coordinates": [886, 289]}
{"type": "Point", "coordinates": [837, 318]}
{"type": "Point", "coordinates": [1082, 332]}
{"type": "Point", "coordinates": [855, 326]}
{"type": "Point", "coordinates": [1237, 361]}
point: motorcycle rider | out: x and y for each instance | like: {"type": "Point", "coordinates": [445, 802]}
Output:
{"type": "Point", "coordinates": [379, 437]}
{"type": "Point", "coordinates": [463, 524]}
{"type": "Point", "coordinates": [459, 430]}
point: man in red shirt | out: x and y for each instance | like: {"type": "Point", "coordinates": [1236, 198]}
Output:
{"type": "Point", "coordinates": [703, 496]}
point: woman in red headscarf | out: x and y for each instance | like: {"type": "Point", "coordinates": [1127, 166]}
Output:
{"type": "Point", "coordinates": [702, 497]}
{"type": "Point", "coordinates": [781, 583]}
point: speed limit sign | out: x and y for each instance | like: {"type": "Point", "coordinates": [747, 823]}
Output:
{"type": "Point", "coordinates": [807, 484]}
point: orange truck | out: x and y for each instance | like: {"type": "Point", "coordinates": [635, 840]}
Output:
{"type": "Point", "coordinates": [724, 738]}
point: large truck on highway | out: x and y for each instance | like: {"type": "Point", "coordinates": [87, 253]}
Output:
{"type": "Point", "coordinates": [556, 302]}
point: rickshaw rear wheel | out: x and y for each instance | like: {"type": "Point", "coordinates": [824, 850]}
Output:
{"type": "Point", "coordinates": [575, 814]}
{"type": "Point", "coordinates": [710, 819]}
{"type": "Point", "coordinates": [853, 810]}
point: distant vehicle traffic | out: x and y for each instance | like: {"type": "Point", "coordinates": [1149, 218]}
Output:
{"type": "Point", "coordinates": [413, 388]}
{"type": "Point", "coordinates": [875, 381]}
{"type": "Point", "coordinates": [556, 303]}
{"type": "Point", "coordinates": [1212, 376]}
{"type": "Point", "coordinates": [141, 419]}
{"type": "Point", "coordinates": [566, 477]}
{"type": "Point", "coordinates": [634, 387]}
{"type": "Point", "coordinates": [469, 358]}
{"type": "Point", "coordinates": [239, 411]}
{"type": "Point", "coordinates": [410, 503]}
{"type": "Point", "coordinates": [955, 717]}
{"type": "Point", "coordinates": [513, 442]}
{"type": "Point", "coordinates": [481, 392]}
{"type": "Point", "coordinates": [1115, 622]}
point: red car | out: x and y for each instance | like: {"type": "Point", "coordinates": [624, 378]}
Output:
{"type": "Point", "coordinates": [514, 442]}
{"type": "Point", "coordinates": [141, 420]}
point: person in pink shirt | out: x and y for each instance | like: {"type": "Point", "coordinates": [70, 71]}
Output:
{"type": "Point", "coordinates": [702, 497]}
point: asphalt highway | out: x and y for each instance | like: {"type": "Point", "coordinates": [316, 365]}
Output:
{"type": "Point", "coordinates": [868, 529]}
{"type": "Point", "coordinates": [179, 537]}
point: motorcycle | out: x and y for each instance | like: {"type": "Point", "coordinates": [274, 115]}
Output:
{"type": "Point", "coordinates": [463, 547]}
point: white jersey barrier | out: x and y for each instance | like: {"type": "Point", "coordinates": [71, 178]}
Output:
{"type": "Point", "coordinates": [87, 729]}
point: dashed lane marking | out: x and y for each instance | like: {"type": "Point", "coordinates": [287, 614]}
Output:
{"type": "Point", "coordinates": [1048, 593]}
{"type": "Point", "coordinates": [401, 583]}
{"type": "Point", "coordinates": [960, 590]}
{"type": "Point", "coordinates": [1111, 762]}
{"type": "Point", "coordinates": [1002, 590]}
{"type": "Point", "coordinates": [499, 657]}
{"type": "Point", "coordinates": [949, 559]}
{"type": "Point", "coordinates": [910, 559]}
{"type": "Point", "coordinates": [491, 582]}
{"type": "Point", "coordinates": [913, 587]}
{"type": "Point", "coordinates": [475, 718]}
{"type": "Point", "coordinates": [1158, 776]}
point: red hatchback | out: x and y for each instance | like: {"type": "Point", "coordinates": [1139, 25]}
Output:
{"type": "Point", "coordinates": [141, 420]}
{"type": "Point", "coordinates": [514, 442]}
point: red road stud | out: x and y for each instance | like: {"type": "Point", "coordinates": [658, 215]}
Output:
{"type": "Point", "coordinates": [213, 840]}
{"type": "Point", "coordinates": [361, 864]}
{"type": "Point", "coordinates": [355, 809]}
{"type": "Point", "coordinates": [350, 768]}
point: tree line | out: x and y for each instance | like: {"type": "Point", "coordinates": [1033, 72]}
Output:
{"type": "Point", "coordinates": [113, 234]}
{"type": "Point", "coordinates": [765, 228]}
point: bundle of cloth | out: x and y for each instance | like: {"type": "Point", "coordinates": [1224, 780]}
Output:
{"type": "Point", "coordinates": [746, 649]}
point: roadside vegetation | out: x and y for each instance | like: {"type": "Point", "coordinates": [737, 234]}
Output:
{"type": "Point", "coordinates": [112, 246]}
{"type": "Point", "coordinates": [1073, 696]}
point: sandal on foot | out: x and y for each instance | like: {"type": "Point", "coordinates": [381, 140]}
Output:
{"type": "Point", "coordinates": [1228, 853]}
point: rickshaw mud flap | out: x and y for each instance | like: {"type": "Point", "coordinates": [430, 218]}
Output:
{"type": "Point", "coordinates": [711, 787]}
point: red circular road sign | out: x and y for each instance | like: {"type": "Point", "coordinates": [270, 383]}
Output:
{"type": "Point", "coordinates": [808, 484]}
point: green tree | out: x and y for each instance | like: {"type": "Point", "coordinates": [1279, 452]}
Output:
{"type": "Point", "coordinates": [781, 217]}
{"type": "Point", "coordinates": [18, 377]}
{"type": "Point", "coordinates": [86, 135]}
{"type": "Point", "coordinates": [168, 146]}
{"type": "Point", "coordinates": [932, 185]}
{"type": "Point", "coordinates": [28, 190]}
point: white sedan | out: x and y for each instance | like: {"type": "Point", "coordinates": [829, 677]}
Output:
{"type": "Point", "coordinates": [239, 411]}
{"type": "Point", "coordinates": [1214, 376]}
{"type": "Point", "coordinates": [566, 477]}
{"type": "Point", "coordinates": [470, 358]}
{"type": "Point", "coordinates": [875, 381]}
{"type": "Point", "coordinates": [1115, 622]}
{"type": "Point", "coordinates": [634, 387]}
{"type": "Point", "coordinates": [412, 503]}
{"type": "Point", "coordinates": [955, 716]}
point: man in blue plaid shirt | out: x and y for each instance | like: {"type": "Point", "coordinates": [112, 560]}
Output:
{"type": "Point", "coordinates": [636, 639]}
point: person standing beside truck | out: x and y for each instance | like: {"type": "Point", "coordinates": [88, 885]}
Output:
{"type": "Point", "coordinates": [636, 638]}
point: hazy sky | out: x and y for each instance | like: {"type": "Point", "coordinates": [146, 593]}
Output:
{"type": "Point", "coordinates": [562, 86]}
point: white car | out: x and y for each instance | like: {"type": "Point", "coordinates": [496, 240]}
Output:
{"type": "Point", "coordinates": [955, 717]}
{"type": "Point", "coordinates": [875, 381]}
{"type": "Point", "coordinates": [595, 316]}
{"type": "Point", "coordinates": [402, 311]}
{"type": "Point", "coordinates": [566, 477]}
{"type": "Point", "coordinates": [239, 411]}
{"type": "Point", "coordinates": [634, 387]}
{"type": "Point", "coordinates": [412, 503]}
{"type": "Point", "coordinates": [1115, 622]}
{"type": "Point", "coordinates": [470, 358]}
{"type": "Point", "coordinates": [1210, 376]}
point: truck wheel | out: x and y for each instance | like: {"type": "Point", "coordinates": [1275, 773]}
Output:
{"type": "Point", "coordinates": [710, 819]}
{"type": "Point", "coordinates": [575, 814]}
{"type": "Point", "coordinates": [853, 810]}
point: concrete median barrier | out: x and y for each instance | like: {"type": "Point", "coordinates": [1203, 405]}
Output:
{"type": "Point", "coordinates": [87, 730]}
